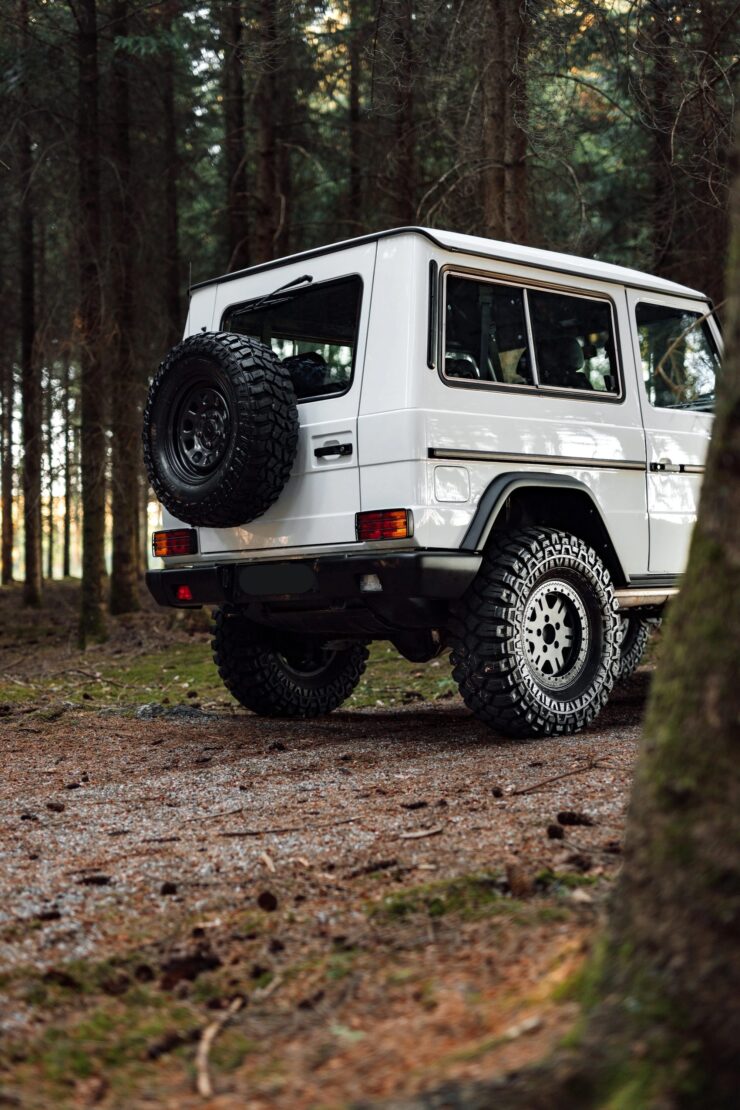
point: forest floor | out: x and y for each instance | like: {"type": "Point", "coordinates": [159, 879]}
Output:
{"type": "Point", "coordinates": [385, 897]}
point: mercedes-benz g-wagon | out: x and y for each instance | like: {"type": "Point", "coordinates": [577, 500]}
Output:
{"type": "Point", "coordinates": [441, 441]}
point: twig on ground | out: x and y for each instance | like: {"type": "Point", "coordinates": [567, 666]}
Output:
{"type": "Point", "coordinates": [268, 862]}
{"type": "Point", "coordinates": [214, 816]}
{"type": "Point", "coordinates": [590, 766]}
{"type": "Point", "coordinates": [419, 834]}
{"type": "Point", "coordinates": [288, 829]}
{"type": "Point", "coordinates": [204, 1085]}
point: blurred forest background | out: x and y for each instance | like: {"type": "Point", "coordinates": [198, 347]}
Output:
{"type": "Point", "coordinates": [144, 145]}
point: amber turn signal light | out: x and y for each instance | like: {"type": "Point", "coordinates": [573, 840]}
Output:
{"type": "Point", "coordinates": [176, 541]}
{"type": "Point", "coordinates": [385, 524]}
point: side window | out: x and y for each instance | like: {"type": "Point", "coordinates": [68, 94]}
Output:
{"type": "Point", "coordinates": [679, 359]}
{"type": "Point", "coordinates": [486, 332]}
{"type": "Point", "coordinates": [313, 331]}
{"type": "Point", "coordinates": [574, 342]}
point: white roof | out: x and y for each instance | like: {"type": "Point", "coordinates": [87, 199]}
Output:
{"type": "Point", "coordinates": [476, 245]}
{"type": "Point", "coordinates": [555, 260]}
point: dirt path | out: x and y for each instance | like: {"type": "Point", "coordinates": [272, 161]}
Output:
{"type": "Point", "coordinates": [379, 886]}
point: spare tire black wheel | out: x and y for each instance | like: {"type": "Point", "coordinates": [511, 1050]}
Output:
{"type": "Point", "coordinates": [220, 430]}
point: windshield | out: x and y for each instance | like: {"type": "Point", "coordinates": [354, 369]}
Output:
{"type": "Point", "coordinates": [313, 331]}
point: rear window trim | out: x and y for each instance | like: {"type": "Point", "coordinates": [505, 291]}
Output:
{"type": "Point", "coordinates": [616, 398]}
{"type": "Point", "coordinates": [239, 305]}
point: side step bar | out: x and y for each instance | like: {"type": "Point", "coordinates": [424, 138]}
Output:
{"type": "Point", "coordinates": [632, 599]}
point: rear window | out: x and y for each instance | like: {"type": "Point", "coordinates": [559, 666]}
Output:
{"type": "Point", "coordinates": [313, 331]}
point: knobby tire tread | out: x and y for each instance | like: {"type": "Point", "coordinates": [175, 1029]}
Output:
{"type": "Point", "coordinates": [484, 628]}
{"type": "Point", "coordinates": [248, 661]}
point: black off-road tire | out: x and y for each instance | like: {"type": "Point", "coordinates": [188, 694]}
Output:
{"type": "Point", "coordinates": [220, 430]}
{"type": "Point", "coordinates": [635, 635]}
{"type": "Point", "coordinates": [278, 675]}
{"type": "Point", "coordinates": [530, 579]}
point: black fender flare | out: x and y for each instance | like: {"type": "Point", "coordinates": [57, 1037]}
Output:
{"type": "Point", "coordinates": [499, 490]}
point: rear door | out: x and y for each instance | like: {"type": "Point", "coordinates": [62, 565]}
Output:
{"type": "Point", "coordinates": [319, 329]}
{"type": "Point", "coordinates": [677, 352]}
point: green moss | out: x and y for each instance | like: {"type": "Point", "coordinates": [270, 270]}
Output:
{"type": "Point", "coordinates": [468, 896]}
{"type": "Point", "coordinates": [231, 1049]}
{"type": "Point", "coordinates": [177, 669]}
{"type": "Point", "coordinates": [340, 965]}
{"type": "Point", "coordinates": [558, 881]}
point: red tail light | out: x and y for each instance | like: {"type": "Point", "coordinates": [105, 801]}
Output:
{"type": "Point", "coordinates": [385, 524]}
{"type": "Point", "coordinates": [184, 593]}
{"type": "Point", "coordinates": [176, 541]}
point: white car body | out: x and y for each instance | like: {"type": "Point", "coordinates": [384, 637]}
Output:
{"type": "Point", "coordinates": [435, 445]}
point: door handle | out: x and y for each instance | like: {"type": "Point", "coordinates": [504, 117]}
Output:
{"type": "Point", "coordinates": [343, 449]}
{"type": "Point", "coordinates": [665, 466]}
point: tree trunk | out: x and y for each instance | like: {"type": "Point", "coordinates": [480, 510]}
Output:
{"type": "Point", "coordinates": [6, 471]}
{"type": "Point", "coordinates": [267, 206]}
{"type": "Point", "coordinates": [30, 378]}
{"type": "Point", "coordinates": [516, 207]}
{"type": "Point", "coordinates": [66, 534]}
{"type": "Point", "coordinates": [234, 138]}
{"type": "Point", "coordinates": [505, 26]}
{"type": "Point", "coordinates": [92, 384]}
{"type": "Point", "coordinates": [49, 419]}
{"type": "Point", "coordinates": [707, 226]}
{"type": "Point", "coordinates": [355, 219]}
{"type": "Point", "coordinates": [125, 418]}
{"type": "Point", "coordinates": [404, 190]}
{"type": "Point", "coordinates": [173, 298]}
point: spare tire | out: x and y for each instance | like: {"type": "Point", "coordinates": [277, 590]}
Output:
{"type": "Point", "coordinates": [220, 429]}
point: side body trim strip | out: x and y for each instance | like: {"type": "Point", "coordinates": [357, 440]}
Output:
{"type": "Point", "coordinates": [539, 460]}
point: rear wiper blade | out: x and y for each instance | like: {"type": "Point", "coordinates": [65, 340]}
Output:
{"type": "Point", "coordinates": [268, 297]}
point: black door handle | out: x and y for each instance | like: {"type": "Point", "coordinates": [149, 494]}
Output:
{"type": "Point", "coordinates": [333, 449]}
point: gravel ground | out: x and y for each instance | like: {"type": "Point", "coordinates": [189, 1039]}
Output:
{"type": "Point", "coordinates": [260, 845]}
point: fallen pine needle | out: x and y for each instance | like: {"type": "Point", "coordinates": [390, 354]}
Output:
{"type": "Point", "coordinates": [268, 862]}
{"type": "Point", "coordinates": [420, 833]}
{"type": "Point", "coordinates": [203, 1083]}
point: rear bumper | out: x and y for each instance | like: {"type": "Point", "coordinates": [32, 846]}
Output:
{"type": "Point", "coordinates": [327, 580]}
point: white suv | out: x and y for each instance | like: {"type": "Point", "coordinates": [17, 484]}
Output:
{"type": "Point", "coordinates": [441, 441]}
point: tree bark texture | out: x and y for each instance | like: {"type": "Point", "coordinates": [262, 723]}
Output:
{"type": "Point", "coordinates": [32, 438]}
{"type": "Point", "coordinates": [404, 186]}
{"type": "Point", "coordinates": [92, 383]}
{"type": "Point", "coordinates": [173, 298]}
{"type": "Point", "coordinates": [125, 413]}
{"type": "Point", "coordinates": [267, 207]}
{"type": "Point", "coordinates": [6, 472]}
{"type": "Point", "coordinates": [503, 77]}
{"type": "Point", "coordinates": [50, 473]}
{"type": "Point", "coordinates": [234, 138]}
{"type": "Point", "coordinates": [354, 122]}
{"type": "Point", "coordinates": [67, 426]}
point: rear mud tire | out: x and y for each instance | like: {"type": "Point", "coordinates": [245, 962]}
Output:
{"type": "Point", "coordinates": [514, 674]}
{"type": "Point", "coordinates": [635, 635]}
{"type": "Point", "coordinates": [278, 676]}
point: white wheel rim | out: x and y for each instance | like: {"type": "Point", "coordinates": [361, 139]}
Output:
{"type": "Point", "coordinates": [555, 633]}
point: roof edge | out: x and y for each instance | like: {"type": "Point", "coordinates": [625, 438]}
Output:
{"type": "Point", "coordinates": [624, 275]}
